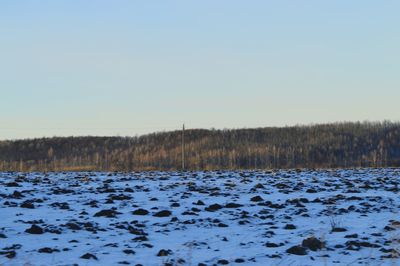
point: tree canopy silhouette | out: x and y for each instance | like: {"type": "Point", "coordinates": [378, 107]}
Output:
{"type": "Point", "coordinates": [316, 146]}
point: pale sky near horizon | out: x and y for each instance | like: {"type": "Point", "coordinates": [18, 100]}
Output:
{"type": "Point", "coordinates": [73, 67]}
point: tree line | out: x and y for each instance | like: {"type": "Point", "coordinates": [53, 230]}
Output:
{"type": "Point", "coordinates": [337, 145]}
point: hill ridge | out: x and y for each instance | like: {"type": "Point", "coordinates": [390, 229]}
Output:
{"type": "Point", "coordinates": [347, 144]}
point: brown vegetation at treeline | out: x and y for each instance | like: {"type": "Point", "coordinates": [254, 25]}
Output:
{"type": "Point", "coordinates": [317, 146]}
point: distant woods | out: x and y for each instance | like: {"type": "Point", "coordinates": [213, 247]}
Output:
{"type": "Point", "coordinates": [318, 146]}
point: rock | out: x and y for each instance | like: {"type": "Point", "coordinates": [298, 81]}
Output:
{"type": "Point", "coordinates": [289, 227]}
{"type": "Point", "coordinates": [53, 231]}
{"type": "Point", "coordinates": [140, 238]}
{"type": "Point", "coordinates": [297, 250]}
{"type": "Point", "coordinates": [27, 204]}
{"type": "Point", "coordinates": [338, 230]}
{"type": "Point", "coordinates": [395, 223]}
{"type": "Point", "coordinates": [199, 202]}
{"type": "Point", "coordinates": [233, 205]}
{"type": "Point", "coordinates": [16, 195]}
{"type": "Point", "coordinates": [390, 250]}
{"type": "Point", "coordinates": [164, 213]}
{"type": "Point", "coordinates": [213, 207]}
{"type": "Point", "coordinates": [223, 262]}
{"type": "Point", "coordinates": [272, 245]}
{"type": "Point", "coordinates": [136, 231]}
{"type": "Point", "coordinates": [256, 199]}
{"type": "Point", "coordinates": [13, 247]}
{"type": "Point", "coordinates": [73, 226]}
{"type": "Point", "coordinates": [62, 205]}
{"type": "Point", "coordinates": [140, 212]}
{"type": "Point", "coordinates": [36, 230]}
{"type": "Point", "coordinates": [88, 256]}
{"type": "Point", "coordinates": [120, 197]}
{"type": "Point", "coordinates": [12, 184]}
{"type": "Point", "coordinates": [107, 213]}
{"type": "Point", "coordinates": [48, 250]}
{"type": "Point", "coordinates": [365, 244]}
{"type": "Point", "coordinates": [312, 243]}
{"type": "Point", "coordinates": [164, 252]}
{"type": "Point", "coordinates": [9, 254]}
{"type": "Point", "coordinates": [129, 251]}
{"type": "Point", "coordinates": [259, 186]}
{"type": "Point", "coordinates": [389, 228]}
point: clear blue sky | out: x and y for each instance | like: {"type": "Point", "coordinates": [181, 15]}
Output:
{"type": "Point", "coordinates": [78, 67]}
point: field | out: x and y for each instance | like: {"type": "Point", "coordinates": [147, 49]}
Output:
{"type": "Point", "coordinates": [303, 217]}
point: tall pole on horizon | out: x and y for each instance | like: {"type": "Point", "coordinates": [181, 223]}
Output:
{"type": "Point", "coordinates": [183, 147]}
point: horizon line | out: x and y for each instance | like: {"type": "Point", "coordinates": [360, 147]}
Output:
{"type": "Point", "coordinates": [177, 128]}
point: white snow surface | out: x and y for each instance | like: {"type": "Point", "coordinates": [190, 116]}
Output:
{"type": "Point", "coordinates": [364, 202]}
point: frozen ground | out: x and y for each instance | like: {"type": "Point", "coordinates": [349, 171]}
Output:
{"type": "Point", "coordinates": [350, 217]}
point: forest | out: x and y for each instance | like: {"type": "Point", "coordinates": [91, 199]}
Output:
{"type": "Point", "coordinates": [336, 145]}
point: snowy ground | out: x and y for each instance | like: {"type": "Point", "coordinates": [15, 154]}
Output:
{"type": "Point", "coordinates": [207, 218]}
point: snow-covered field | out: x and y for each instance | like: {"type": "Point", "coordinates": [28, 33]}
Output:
{"type": "Point", "coordinates": [331, 217]}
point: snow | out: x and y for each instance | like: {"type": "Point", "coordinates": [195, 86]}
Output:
{"type": "Point", "coordinates": [196, 236]}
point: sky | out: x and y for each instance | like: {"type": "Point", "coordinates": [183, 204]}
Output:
{"type": "Point", "coordinates": [95, 67]}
